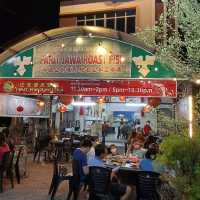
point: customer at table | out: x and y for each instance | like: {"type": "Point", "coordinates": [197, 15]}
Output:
{"type": "Point", "coordinates": [80, 155]}
{"type": "Point", "coordinates": [146, 164]}
{"type": "Point", "coordinates": [112, 150]}
{"type": "Point", "coordinates": [3, 146]}
{"type": "Point", "coordinates": [136, 149]}
{"type": "Point", "coordinates": [117, 189]}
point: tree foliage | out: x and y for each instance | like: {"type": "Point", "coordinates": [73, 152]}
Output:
{"type": "Point", "coordinates": [177, 37]}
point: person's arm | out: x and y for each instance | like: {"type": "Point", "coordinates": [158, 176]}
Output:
{"type": "Point", "coordinates": [85, 166]}
{"type": "Point", "coordinates": [86, 170]}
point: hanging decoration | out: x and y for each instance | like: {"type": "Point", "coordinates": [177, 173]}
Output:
{"type": "Point", "coordinates": [81, 112]}
{"type": "Point", "coordinates": [20, 108]}
{"type": "Point", "coordinates": [122, 98]}
{"type": "Point", "coordinates": [154, 102]}
{"type": "Point", "coordinates": [62, 108]}
{"type": "Point", "coordinates": [147, 108]}
{"type": "Point", "coordinates": [66, 99]}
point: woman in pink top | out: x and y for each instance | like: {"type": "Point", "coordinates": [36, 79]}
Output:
{"type": "Point", "coordinates": [3, 146]}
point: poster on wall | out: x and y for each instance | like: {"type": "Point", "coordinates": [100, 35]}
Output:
{"type": "Point", "coordinates": [16, 106]}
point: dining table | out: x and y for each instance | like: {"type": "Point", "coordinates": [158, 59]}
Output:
{"type": "Point", "coordinates": [125, 167]}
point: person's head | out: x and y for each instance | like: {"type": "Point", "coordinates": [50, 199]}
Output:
{"type": "Point", "coordinates": [100, 151]}
{"type": "Point", "coordinates": [151, 154]}
{"type": "Point", "coordinates": [154, 147]}
{"type": "Point", "coordinates": [148, 122]}
{"type": "Point", "coordinates": [113, 149]}
{"type": "Point", "coordinates": [133, 134]}
{"type": "Point", "coordinates": [137, 145]}
{"type": "Point", "coordinates": [86, 144]}
{"type": "Point", "coordinates": [2, 139]}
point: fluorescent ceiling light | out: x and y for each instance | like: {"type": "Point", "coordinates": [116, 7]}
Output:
{"type": "Point", "coordinates": [80, 103]}
{"type": "Point", "coordinates": [136, 104]}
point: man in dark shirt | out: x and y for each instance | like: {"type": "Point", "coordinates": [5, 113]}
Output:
{"type": "Point", "coordinates": [80, 155]}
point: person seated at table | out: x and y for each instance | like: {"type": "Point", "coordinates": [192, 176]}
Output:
{"type": "Point", "coordinates": [80, 155]}
{"type": "Point", "coordinates": [150, 140]}
{"type": "Point", "coordinates": [3, 146]}
{"type": "Point", "coordinates": [146, 164]}
{"type": "Point", "coordinates": [112, 150]}
{"type": "Point", "coordinates": [117, 189]}
{"type": "Point", "coordinates": [136, 149]}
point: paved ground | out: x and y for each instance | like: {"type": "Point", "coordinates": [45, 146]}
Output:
{"type": "Point", "coordinates": [35, 187]}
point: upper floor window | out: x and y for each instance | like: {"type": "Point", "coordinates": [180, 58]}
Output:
{"type": "Point", "coordinates": [121, 20]}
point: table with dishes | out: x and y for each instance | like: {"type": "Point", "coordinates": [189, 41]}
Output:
{"type": "Point", "coordinates": [127, 167]}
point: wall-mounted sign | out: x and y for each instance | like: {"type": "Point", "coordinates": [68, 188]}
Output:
{"type": "Point", "coordinates": [84, 57]}
{"type": "Point", "coordinates": [139, 87]}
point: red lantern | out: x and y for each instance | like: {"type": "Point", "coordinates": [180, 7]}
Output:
{"type": "Point", "coordinates": [20, 109]}
{"type": "Point", "coordinates": [62, 109]}
{"type": "Point", "coordinates": [147, 108]}
{"type": "Point", "coordinates": [122, 98]}
{"type": "Point", "coordinates": [66, 99]}
{"type": "Point", "coordinates": [154, 102]}
{"type": "Point", "coordinates": [81, 112]}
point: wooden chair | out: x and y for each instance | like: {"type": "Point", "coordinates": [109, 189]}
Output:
{"type": "Point", "coordinates": [7, 167]}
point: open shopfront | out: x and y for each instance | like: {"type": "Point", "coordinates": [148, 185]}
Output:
{"type": "Point", "coordinates": [85, 74]}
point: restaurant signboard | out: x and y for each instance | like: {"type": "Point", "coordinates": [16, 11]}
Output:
{"type": "Point", "coordinates": [84, 57]}
{"type": "Point", "coordinates": [136, 87]}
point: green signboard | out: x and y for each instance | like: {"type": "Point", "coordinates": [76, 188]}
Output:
{"type": "Point", "coordinates": [84, 57]}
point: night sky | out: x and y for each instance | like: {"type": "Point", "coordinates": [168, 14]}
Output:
{"type": "Point", "coordinates": [19, 17]}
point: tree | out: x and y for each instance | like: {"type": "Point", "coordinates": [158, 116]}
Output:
{"type": "Point", "coordinates": [177, 34]}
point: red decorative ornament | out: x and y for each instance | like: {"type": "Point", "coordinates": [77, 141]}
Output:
{"type": "Point", "coordinates": [66, 99]}
{"type": "Point", "coordinates": [81, 112]}
{"type": "Point", "coordinates": [147, 108]}
{"type": "Point", "coordinates": [62, 109]}
{"type": "Point", "coordinates": [154, 102]}
{"type": "Point", "coordinates": [20, 109]}
{"type": "Point", "coordinates": [122, 98]}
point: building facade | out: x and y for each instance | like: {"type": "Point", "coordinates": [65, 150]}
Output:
{"type": "Point", "coordinates": [128, 16]}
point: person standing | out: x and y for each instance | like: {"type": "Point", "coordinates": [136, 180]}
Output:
{"type": "Point", "coordinates": [3, 146]}
{"type": "Point", "coordinates": [104, 132]}
{"type": "Point", "coordinates": [147, 128]}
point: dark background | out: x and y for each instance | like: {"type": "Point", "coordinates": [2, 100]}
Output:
{"type": "Point", "coordinates": [19, 18]}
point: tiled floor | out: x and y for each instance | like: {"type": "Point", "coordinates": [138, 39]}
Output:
{"type": "Point", "coordinates": [35, 187]}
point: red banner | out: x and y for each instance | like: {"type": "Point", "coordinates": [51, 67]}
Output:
{"type": "Point", "coordinates": [138, 88]}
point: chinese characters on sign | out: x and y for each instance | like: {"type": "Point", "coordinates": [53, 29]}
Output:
{"type": "Point", "coordinates": [137, 87]}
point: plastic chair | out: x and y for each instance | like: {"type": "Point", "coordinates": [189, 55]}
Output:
{"type": "Point", "coordinates": [7, 166]}
{"type": "Point", "coordinates": [59, 175]}
{"type": "Point", "coordinates": [99, 183]}
{"type": "Point", "coordinates": [147, 186]}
